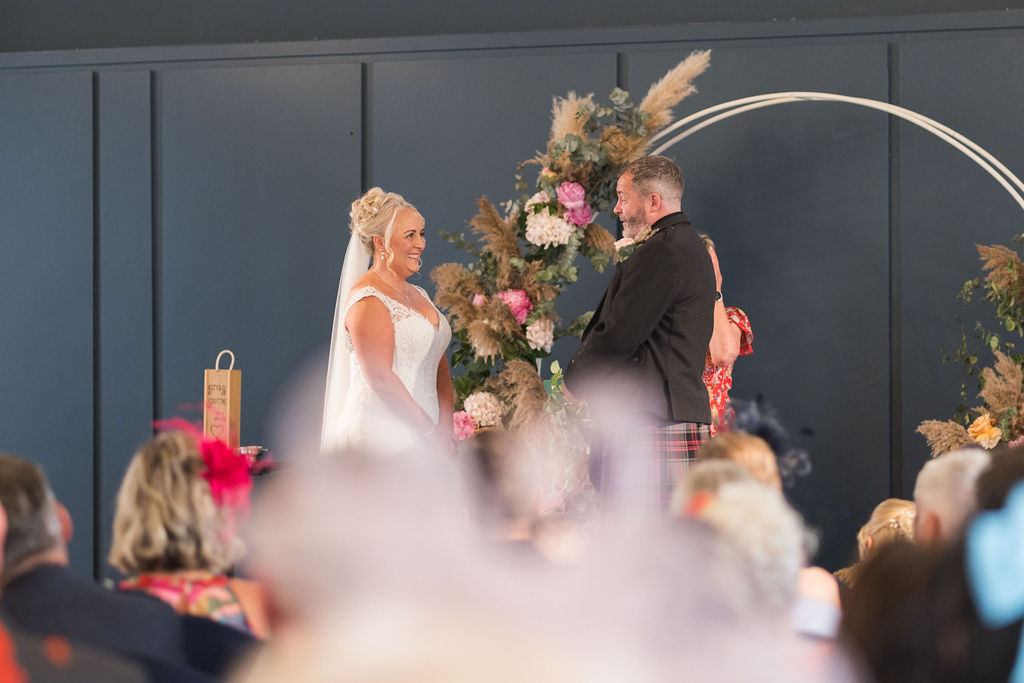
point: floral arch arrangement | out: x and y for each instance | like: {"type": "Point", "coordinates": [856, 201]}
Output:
{"type": "Point", "coordinates": [501, 305]}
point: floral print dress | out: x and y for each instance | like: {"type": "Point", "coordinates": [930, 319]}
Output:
{"type": "Point", "coordinates": [200, 594]}
{"type": "Point", "coordinates": [718, 378]}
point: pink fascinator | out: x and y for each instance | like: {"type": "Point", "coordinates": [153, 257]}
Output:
{"type": "Point", "coordinates": [227, 472]}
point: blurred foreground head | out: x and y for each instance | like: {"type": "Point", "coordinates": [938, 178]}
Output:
{"type": "Point", "coordinates": [752, 452]}
{"type": "Point", "coordinates": [911, 617]}
{"type": "Point", "coordinates": [166, 519]}
{"type": "Point", "coordinates": [945, 494]}
{"type": "Point", "coordinates": [33, 522]}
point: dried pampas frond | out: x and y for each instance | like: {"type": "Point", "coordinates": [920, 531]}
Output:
{"type": "Point", "coordinates": [454, 278]}
{"type": "Point", "coordinates": [1003, 388]}
{"type": "Point", "coordinates": [944, 437]}
{"type": "Point", "coordinates": [599, 238]}
{"type": "Point", "coordinates": [521, 386]}
{"type": "Point", "coordinates": [455, 289]}
{"type": "Point", "coordinates": [1007, 270]}
{"type": "Point", "coordinates": [539, 292]}
{"type": "Point", "coordinates": [486, 342]}
{"type": "Point", "coordinates": [499, 239]}
{"type": "Point", "coordinates": [460, 310]}
{"type": "Point", "coordinates": [670, 90]}
{"type": "Point", "coordinates": [622, 148]}
{"type": "Point", "coordinates": [567, 117]}
{"type": "Point", "coordinates": [497, 234]}
{"type": "Point", "coordinates": [498, 316]}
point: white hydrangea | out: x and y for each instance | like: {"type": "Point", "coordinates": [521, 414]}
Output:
{"type": "Point", "coordinates": [541, 197]}
{"type": "Point", "coordinates": [544, 229]}
{"type": "Point", "coordinates": [541, 334]}
{"type": "Point", "coordinates": [484, 408]}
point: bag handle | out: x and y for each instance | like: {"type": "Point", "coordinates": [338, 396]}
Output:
{"type": "Point", "coordinates": [216, 365]}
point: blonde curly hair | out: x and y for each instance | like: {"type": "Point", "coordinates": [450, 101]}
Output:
{"type": "Point", "coordinates": [751, 452]}
{"type": "Point", "coordinates": [166, 519]}
{"type": "Point", "coordinates": [373, 215]}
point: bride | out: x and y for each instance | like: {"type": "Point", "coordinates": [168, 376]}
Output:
{"type": "Point", "coordinates": [388, 347]}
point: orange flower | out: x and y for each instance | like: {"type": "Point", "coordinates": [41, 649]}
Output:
{"type": "Point", "coordinates": [984, 432]}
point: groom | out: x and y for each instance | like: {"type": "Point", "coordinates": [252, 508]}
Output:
{"type": "Point", "coordinates": [642, 355]}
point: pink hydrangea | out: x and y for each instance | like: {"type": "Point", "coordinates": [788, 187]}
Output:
{"type": "Point", "coordinates": [518, 302]}
{"type": "Point", "coordinates": [581, 215]}
{"type": "Point", "coordinates": [479, 300]}
{"type": "Point", "coordinates": [464, 425]}
{"type": "Point", "coordinates": [572, 195]}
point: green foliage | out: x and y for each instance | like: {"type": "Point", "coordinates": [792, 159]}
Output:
{"type": "Point", "coordinates": [1009, 313]}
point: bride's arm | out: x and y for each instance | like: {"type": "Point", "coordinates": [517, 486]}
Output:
{"type": "Point", "coordinates": [445, 399]}
{"type": "Point", "coordinates": [373, 339]}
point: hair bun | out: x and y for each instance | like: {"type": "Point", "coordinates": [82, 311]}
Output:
{"type": "Point", "coordinates": [366, 208]}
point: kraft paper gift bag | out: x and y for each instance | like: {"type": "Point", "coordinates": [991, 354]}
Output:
{"type": "Point", "coordinates": [222, 402]}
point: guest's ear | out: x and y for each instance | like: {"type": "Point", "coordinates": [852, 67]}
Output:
{"type": "Point", "coordinates": [929, 530]}
{"type": "Point", "coordinates": [3, 534]}
{"type": "Point", "coordinates": [870, 542]}
{"type": "Point", "coordinates": [67, 527]}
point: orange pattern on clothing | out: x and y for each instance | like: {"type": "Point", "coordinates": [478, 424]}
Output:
{"type": "Point", "coordinates": [200, 594]}
{"type": "Point", "coordinates": [10, 669]}
{"type": "Point", "coordinates": [718, 378]}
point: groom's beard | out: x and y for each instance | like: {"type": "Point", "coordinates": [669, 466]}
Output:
{"type": "Point", "coordinates": [631, 228]}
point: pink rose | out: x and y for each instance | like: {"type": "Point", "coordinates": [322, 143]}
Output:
{"type": "Point", "coordinates": [518, 302]}
{"type": "Point", "coordinates": [479, 300]}
{"type": "Point", "coordinates": [581, 215]}
{"type": "Point", "coordinates": [464, 425]}
{"type": "Point", "coordinates": [624, 242]}
{"type": "Point", "coordinates": [572, 195]}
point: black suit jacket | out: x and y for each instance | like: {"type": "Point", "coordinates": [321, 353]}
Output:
{"type": "Point", "coordinates": [48, 599]}
{"type": "Point", "coordinates": [650, 333]}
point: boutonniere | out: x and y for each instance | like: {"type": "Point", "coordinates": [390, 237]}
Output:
{"type": "Point", "coordinates": [625, 247]}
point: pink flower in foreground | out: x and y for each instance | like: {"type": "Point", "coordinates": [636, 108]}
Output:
{"type": "Point", "coordinates": [581, 215]}
{"type": "Point", "coordinates": [518, 302]}
{"type": "Point", "coordinates": [1016, 442]}
{"type": "Point", "coordinates": [572, 195]}
{"type": "Point", "coordinates": [464, 425]}
{"type": "Point", "coordinates": [624, 242]}
{"type": "Point", "coordinates": [479, 300]}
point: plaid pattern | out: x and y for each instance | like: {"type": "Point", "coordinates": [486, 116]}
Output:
{"type": "Point", "coordinates": [637, 469]}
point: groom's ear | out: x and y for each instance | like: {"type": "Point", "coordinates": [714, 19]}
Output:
{"type": "Point", "coordinates": [654, 203]}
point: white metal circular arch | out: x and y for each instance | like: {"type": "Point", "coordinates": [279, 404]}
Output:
{"type": "Point", "coordinates": [972, 150]}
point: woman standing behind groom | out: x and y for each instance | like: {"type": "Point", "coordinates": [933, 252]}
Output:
{"type": "Point", "coordinates": [642, 355]}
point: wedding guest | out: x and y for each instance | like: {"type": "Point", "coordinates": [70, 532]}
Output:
{"type": "Point", "coordinates": [700, 484]}
{"type": "Point", "coordinates": [387, 359]}
{"type": "Point", "coordinates": [911, 617]}
{"type": "Point", "coordinates": [648, 338]}
{"type": "Point", "coordinates": [944, 494]}
{"type": "Point", "coordinates": [174, 529]}
{"type": "Point", "coordinates": [749, 451]}
{"type": "Point", "coordinates": [732, 337]}
{"type": "Point", "coordinates": [891, 520]}
{"type": "Point", "coordinates": [994, 483]}
{"type": "Point", "coordinates": [40, 595]}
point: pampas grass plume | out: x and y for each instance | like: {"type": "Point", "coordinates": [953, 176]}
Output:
{"type": "Point", "coordinates": [672, 88]}
{"type": "Point", "coordinates": [944, 436]}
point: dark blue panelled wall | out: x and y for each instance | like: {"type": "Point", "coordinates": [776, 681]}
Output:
{"type": "Point", "coordinates": [160, 204]}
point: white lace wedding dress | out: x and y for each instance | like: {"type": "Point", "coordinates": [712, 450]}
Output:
{"type": "Point", "coordinates": [364, 419]}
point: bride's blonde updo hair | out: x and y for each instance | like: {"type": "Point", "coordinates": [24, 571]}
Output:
{"type": "Point", "coordinates": [373, 215]}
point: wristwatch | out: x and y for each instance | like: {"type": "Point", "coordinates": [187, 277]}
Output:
{"type": "Point", "coordinates": [718, 296]}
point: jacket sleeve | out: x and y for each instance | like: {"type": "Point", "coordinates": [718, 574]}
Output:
{"type": "Point", "coordinates": [649, 283]}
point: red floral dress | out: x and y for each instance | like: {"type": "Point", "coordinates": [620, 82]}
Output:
{"type": "Point", "coordinates": [200, 594]}
{"type": "Point", "coordinates": [718, 378]}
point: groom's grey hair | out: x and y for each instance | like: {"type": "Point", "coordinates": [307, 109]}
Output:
{"type": "Point", "coordinates": [657, 175]}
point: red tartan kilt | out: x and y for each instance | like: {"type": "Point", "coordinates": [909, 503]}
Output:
{"type": "Point", "coordinates": [640, 469]}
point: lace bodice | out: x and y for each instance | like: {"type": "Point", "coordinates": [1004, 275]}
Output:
{"type": "Point", "coordinates": [418, 349]}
